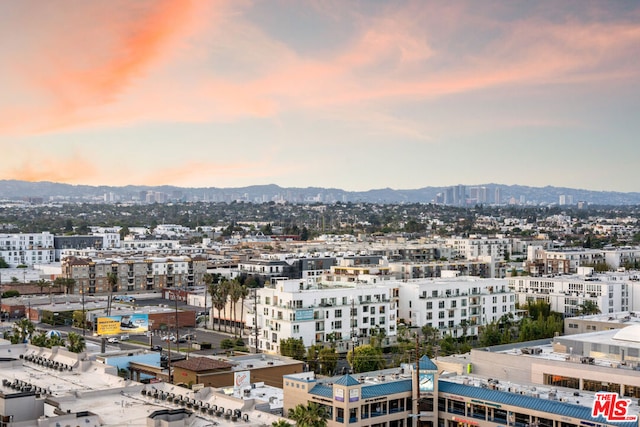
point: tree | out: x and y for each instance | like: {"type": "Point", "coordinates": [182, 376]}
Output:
{"type": "Point", "coordinates": [22, 330]}
{"type": "Point", "coordinates": [235, 293]}
{"type": "Point", "coordinates": [223, 295]}
{"type": "Point", "coordinates": [124, 231]}
{"type": "Point", "coordinates": [65, 282]}
{"type": "Point", "coordinates": [328, 360]}
{"type": "Point", "coordinates": [281, 423]}
{"type": "Point", "coordinates": [310, 415]}
{"type": "Point", "coordinates": [112, 280]}
{"type": "Point", "coordinates": [293, 347]}
{"type": "Point", "coordinates": [3, 263]}
{"type": "Point", "coordinates": [588, 307]}
{"type": "Point", "coordinates": [490, 335]}
{"type": "Point", "coordinates": [218, 300]}
{"type": "Point", "coordinates": [244, 293]}
{"type": "Point", "coordinates": [365, 358]}
{"type": "Point", "coordinates": [42, 283]}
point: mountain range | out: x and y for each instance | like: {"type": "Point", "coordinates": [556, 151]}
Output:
{"type": "Point", "coordinates": [514, 194]}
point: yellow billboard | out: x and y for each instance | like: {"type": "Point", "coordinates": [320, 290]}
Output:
{"type": "Point", "coordinates": [115, 325]}
{"type": "Point", "coordinates": [108, 326]}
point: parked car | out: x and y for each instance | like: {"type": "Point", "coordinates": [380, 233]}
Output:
{"type": "Point", "coordinates": [156, 348]}
{"type": "Point", "coordinates": [113, 340]}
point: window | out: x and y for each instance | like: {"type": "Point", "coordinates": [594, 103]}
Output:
{"type": "Point", "coordinates": [441, 315]}
{"type": "Point", "coordinates": [296, 329]}
{"type": "Point", "coordinates": [429, 316]}
{"type": "Point", "coordinates": [429, 305]}
{"type": "Point", "coordinates": [337, 314]}
{"type": "Point", "coordinates": [337, 324]}
{"type": "Point", "coordinates": [441, 304]}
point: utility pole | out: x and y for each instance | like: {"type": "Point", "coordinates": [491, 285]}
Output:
{"type": "Point", "coordinates": [175, 297]}
{"type": "Point", "coordinates": [84, 314]}
{"type": "Point", "coordinates": [255, 317]}
{"type": "Point", "coordinates": [416, 387]}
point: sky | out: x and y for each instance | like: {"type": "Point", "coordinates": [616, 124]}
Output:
{"type": "Point", "coordinates": [347, 94]}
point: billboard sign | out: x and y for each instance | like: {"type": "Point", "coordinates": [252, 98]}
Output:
{"type": "Point", "coordinates": [304, 314]}
{"type": "Point", "coordinates": [426, 382]}
{"type": "Point", "coordinates": [241, 379]}
{"type": "Point", "coordinates": [128, 323]}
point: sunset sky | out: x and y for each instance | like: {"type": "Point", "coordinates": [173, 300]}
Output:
{"type": "Point", "coordinates": [348, 94]}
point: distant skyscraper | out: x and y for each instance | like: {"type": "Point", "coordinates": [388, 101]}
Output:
{"type": "Point", "coordinates": [497, 196]}
{"type": "Point", "coordinates": [565, 199]}
{"type": "Point", "coordinates": [482, 195]}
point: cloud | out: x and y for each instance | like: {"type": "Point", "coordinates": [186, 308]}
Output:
{"type": "Point", "coordinates": [76, 56]}
{"type": "Point", "coordinates": [176, 60]}
{"type": "Point", "coordinates": [69, 167]}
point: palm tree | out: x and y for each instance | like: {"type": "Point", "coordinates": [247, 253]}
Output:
{"type": "Point", "coordinates": [244, 293]}
{"type": "Point", "coordinates": [281, 423]}
{"type": "Point", "coordinates": [42, 283]}
{"type": "Point", "coordinates": [112, 280]}
{"type": "Point", "coordinates": [22, 329]}
{"type": "Point", "coordinates": [223, 294]}
{"type": "Point", "coordinates": [588, 307]}
{"type": "Point", "coordinates": [217, 301]}
{"type": "Point", "coordinates": [76, 343]}
{"type": "Point", "coordinates": [234, 296]}
{"type": "Point", "coordinates": [66, 282]}
{"type": "Point", "coordinates": [311, 415]}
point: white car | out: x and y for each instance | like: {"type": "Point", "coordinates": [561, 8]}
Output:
{"type": "Point", "coordinates": [113, 340]}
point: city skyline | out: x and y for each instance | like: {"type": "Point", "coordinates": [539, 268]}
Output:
{"type": "Point", "coordinates": [355, 95]}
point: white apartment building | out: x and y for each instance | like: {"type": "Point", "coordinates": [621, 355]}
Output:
{"type": "Point", "coordinates": [456, 306]}
{"type": "Point", "coordinates": [561, 261]}
{"type": "Point", "coordinates": [132, 244]}
{"type": "Point", "coordinates": [110, 240]}
{"type": "Point", "coordinates": [471, 248]}
{"type": "Point", "coordinates": [485, 267]}
{"type": "Point", "coordinates": [321, 312]}
{"type": "Point", "coordinates": [611, 292]}
{"type": "Point", "coordinates": [27, 248]}
{"type": "Point", "coordinates": [622, 256]}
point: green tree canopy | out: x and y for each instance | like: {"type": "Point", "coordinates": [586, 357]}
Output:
{"type": "Point", "coordinates": [366, 358]}
{"type": "Point", "coordinates": [77, 343]}
{"type": "Point", "coordinates": [310, 415]}
{"type": "Point", "coordinates": [293, 347]}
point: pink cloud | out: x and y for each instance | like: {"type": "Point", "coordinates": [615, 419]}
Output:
{"type": "Point", "coordinates": [84, 54]}
{"type": "Point", "coordinates": [71, 168]}
{"type": "Point", "coordinates": [234, 69]}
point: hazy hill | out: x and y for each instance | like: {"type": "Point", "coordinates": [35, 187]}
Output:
{"type": "Point", "coordinates": [23, 190]}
